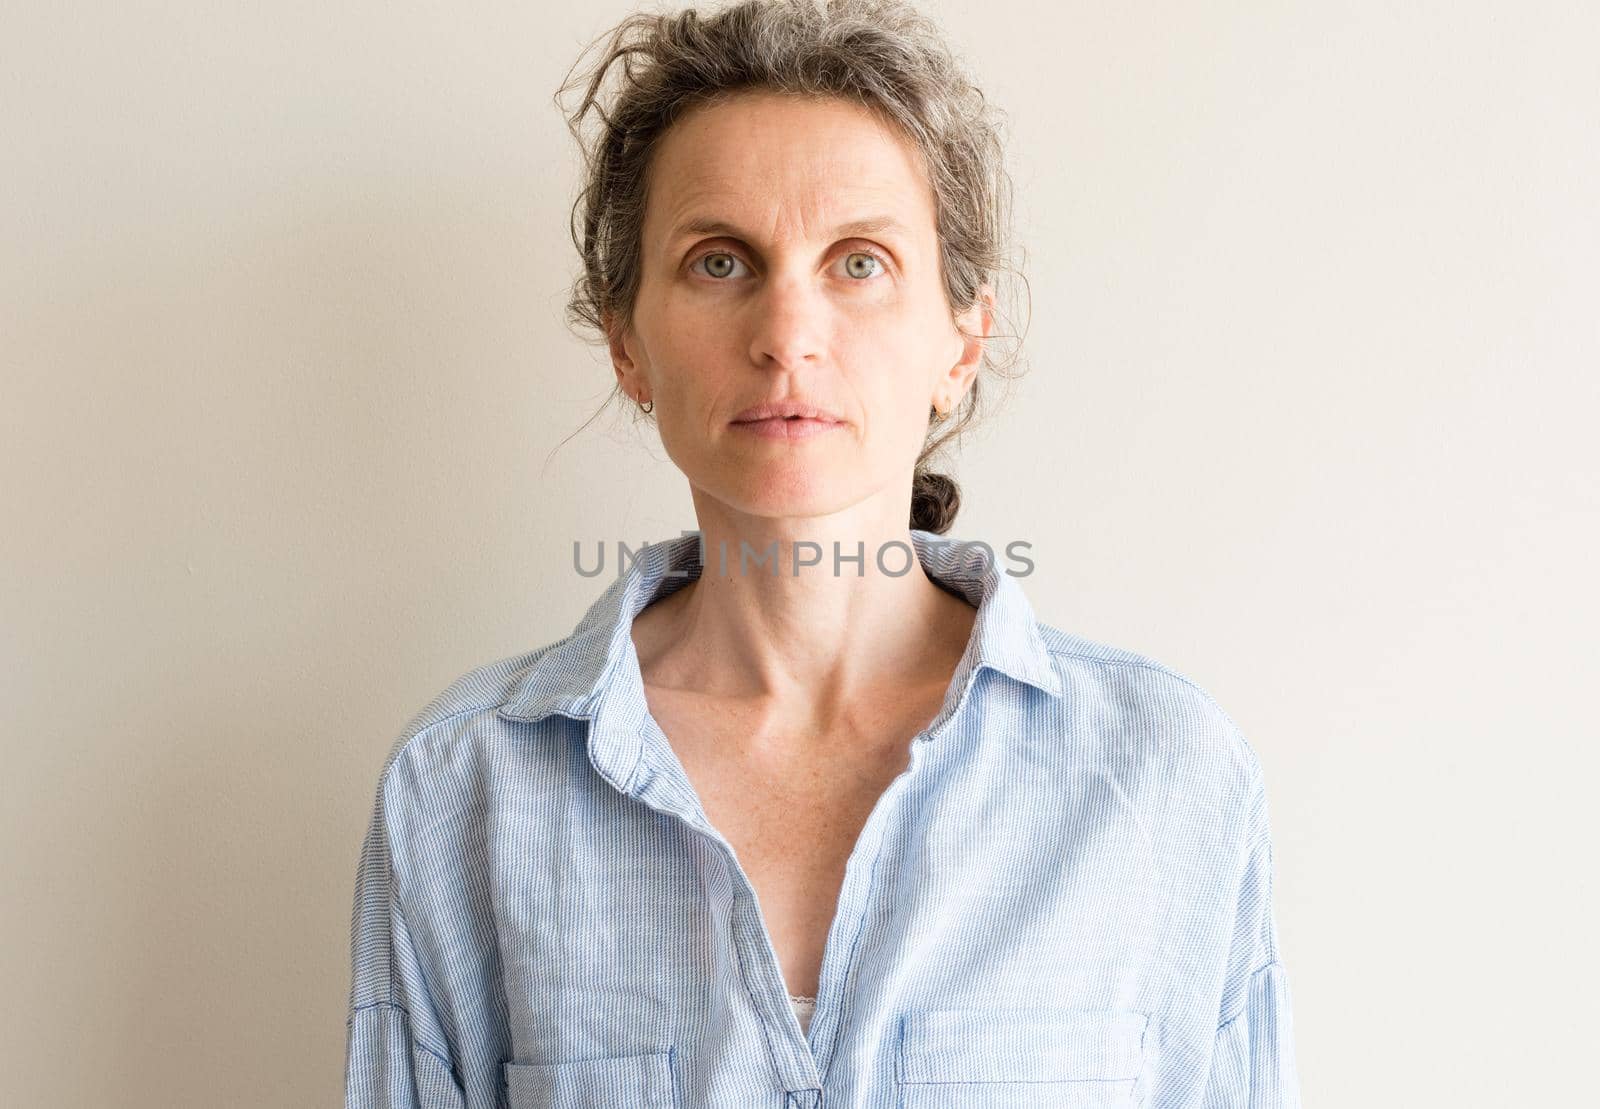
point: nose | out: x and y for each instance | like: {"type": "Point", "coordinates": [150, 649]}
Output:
{"type": "Point", "coordinates": [790, 323]}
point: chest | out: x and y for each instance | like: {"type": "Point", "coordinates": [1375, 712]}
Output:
{"type": "Point", "coordinates": [792, 811]}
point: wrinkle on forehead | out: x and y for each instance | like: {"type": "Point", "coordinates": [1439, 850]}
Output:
{"type": "Point", "coordinates": [785, 168]}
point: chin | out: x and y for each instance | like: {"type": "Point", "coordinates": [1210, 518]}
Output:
{"type": "Point", "coordinates": [788, 496]}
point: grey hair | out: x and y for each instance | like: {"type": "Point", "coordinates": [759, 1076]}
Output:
{"type": "Point", "coordinates": [883, 55]}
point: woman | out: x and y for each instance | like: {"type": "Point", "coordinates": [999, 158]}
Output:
{"type": "Point", "coordinates": [847, 826]}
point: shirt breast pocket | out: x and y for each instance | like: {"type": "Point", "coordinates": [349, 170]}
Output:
{"type": "Point", "coordinates": [1021, 1058]}
{"type": "Point", "coordinates": [632, 1080]}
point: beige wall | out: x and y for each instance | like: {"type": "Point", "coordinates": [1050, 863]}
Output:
{"type": "Point", "coordinates": [1311, 419]}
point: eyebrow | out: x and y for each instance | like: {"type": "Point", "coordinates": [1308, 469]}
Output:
{"type": "Point", "coordinates": [867, 225]}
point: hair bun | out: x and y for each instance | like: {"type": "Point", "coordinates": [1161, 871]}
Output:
{"type": "Point", "coordinates": [935, 500]}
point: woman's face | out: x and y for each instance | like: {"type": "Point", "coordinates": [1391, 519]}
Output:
{"type": "Point", "coordinates": [769, 274]}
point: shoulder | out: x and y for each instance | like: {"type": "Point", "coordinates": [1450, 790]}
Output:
{"type": "Point", "coordinates": [438, 740]}
{"type": "Point", "coordinates": [1147, 711]}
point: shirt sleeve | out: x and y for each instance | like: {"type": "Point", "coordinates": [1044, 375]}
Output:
{"type": "Point", "coordinates": [1253, 1058]}
{"type": "Point", "coordinates": [396, 1053]}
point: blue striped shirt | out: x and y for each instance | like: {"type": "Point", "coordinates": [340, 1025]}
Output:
{"type": "Point", "coordinates": [1065, 899]}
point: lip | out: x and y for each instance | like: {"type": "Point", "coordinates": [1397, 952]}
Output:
{"type": "Point", "coordinates": [785, 409]}
{"type": "Point", "coordinates": [797, 427]}
{"type": "Point", "coordinates": [787, 419]}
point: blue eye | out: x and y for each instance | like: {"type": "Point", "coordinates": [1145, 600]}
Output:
{"type": "Point", "coordinates": [721, 265]}
{"type": "Point", "coordinates": [882, 266]}
{"type": "Point", "coordinates": [721, 254]}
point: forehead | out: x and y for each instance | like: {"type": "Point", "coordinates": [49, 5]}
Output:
{"type": "Point", "coordinates": [786, 166]}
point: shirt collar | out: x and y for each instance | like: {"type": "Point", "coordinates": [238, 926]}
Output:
{"type": "Point", "coordinates": [594, 672]}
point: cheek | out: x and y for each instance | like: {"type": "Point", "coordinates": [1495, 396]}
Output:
{"type": "Point", "coordinates": [693, 323]}
{"type": "Point", "coordinates": [661, 311]}
{"type": "Point", "coordinates": [895, 414]}
{"type": "Point", "coordinates": [671, 346]}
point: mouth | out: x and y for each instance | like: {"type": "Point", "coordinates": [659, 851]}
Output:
{"type": "Point", "coordinates": [787, 421]}
{"type": "Point", "coordinates": [787, 410]}
{"type": "Point", "coordinates": [790, 427]}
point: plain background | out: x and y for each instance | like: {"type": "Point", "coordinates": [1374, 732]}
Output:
{"type": "Point", "coordinates": [1310, 418]}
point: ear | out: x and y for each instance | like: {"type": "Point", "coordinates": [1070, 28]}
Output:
{"type": "Point", "coordinates": [975, 323]}
{"type": "Point", "coordinates": [622, 363]}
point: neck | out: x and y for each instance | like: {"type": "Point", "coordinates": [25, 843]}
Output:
{"type": "Point", "coordinates": [803, 644]}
